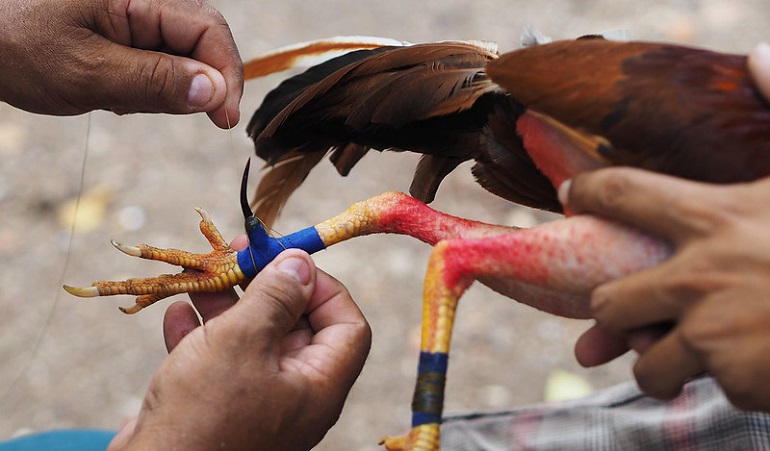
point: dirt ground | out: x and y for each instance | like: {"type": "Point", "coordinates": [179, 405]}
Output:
{"type": "Point", "coordinates": [69, 362]}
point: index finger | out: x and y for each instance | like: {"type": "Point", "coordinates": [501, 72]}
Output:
{"type": "Point", "coordinates": [671, 207]}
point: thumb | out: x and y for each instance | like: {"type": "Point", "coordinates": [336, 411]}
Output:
{"type": "Point", "coordinates": [133, 80]}
{"type": "Point", "coordinates": [278, 296]}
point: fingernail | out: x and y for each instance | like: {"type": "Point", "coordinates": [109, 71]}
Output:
{"type": "Point", "coordinates": [563, 192]}
{"type": "Point", "coordinates": [201, 90]}
{"type": "Point", "coordinates": [297, 268]}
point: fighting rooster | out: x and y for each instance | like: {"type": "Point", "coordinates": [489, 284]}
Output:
{"type": "Point", "coordinates": [529, 119]}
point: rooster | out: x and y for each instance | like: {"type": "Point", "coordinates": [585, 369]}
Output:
{"type": "Point", "coordinates": [529, 119]}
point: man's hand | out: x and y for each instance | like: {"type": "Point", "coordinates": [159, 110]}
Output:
{"type": "Point", "coordinates": [707, 307]}
{"type": "Point", "coordinates": [68, 57]}
{"type": "Point", "coordinates": [269, 372]}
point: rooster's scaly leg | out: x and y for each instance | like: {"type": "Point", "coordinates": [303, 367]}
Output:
{"type": "Point", "coordinates": [224, 267]}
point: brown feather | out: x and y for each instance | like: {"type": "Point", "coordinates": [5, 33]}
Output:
{"type": "Point", "coordinates": [430, 171]}
{"type": "Point", "coordinates": [673, 109]}
{"type": "Point", "coordinates": [344, 158]}
{"type": "Point", "coordinates": [688, 112]}
{"type": "Point", "coordinates": [419, 98]}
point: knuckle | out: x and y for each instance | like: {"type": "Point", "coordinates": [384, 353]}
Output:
{"type": "Point", "coordinates": [696, 332]}
{"type": "Point", "coordinates": [706, 323]}
{"type": "Point", "coordinates": [159, 78]}
{"type": "Point", "coordinates": [684, 287]}
{"type": "Point", "coordinates": [702, 216]}
{"type": "Point", "coordinates": [711, 208]}
{"type": "Point", "coordinates": [692, 277]}
{"type": "Point", "coordinates": [608, 190]}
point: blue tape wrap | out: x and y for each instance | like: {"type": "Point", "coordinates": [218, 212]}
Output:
{"type": "Point", "coordinates": [263, 248]}
{"type": "Point", "coordinates": [428, 402]}
{"type": "Point", "coordinates": [433, 362]}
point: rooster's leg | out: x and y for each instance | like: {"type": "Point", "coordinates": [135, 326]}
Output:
{"type": "Point", "coordinates": [224, 267]}
{"type": "Point", "coordinates": [398, 213]}
{"type": "Point", "coordinates": [553, 267]}
{"type": "Point", "coordinates": [453, 266]}
{"type": "Point", "coordinates": [545, 267]}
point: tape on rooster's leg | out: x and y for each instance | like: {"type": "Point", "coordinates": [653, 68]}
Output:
{"type": "Point", "coordinates": [428, 402]}
{"type": "Point", "coordinates": [263, 248]}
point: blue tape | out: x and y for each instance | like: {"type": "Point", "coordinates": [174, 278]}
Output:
{"type": "Point", "coordinates": [306, 239]}
{"type": "Point", "coordinates": [263, 248]}
{"type": "Point", "coordinates": [421, 418]}
{"type": "Point", "coordinates": [428, 402]}
{"type": "Point", "coordinates": [433, 362]}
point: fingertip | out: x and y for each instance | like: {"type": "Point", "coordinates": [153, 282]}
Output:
{"type": "Point", "coordinates": [297, 266]}
{"type": "Point", "coordinates": [179, 320]}
{"type": "Point", "coordinates": [225, 118]}
{"type": "Point", "coordinates": [225, 112]}
{"type": "Point", "coordinates": [232, 110]}
{"type": "Point", "coordinates": [663, 388]}
{"type": "Point", "coordinates": [657, 376]}
{"type": "Point", "coordinates": [208, 92]}
{"type": "Point", "coordinates": [240, 243]}
{"type": "Point", "coordinates": [596, 347]}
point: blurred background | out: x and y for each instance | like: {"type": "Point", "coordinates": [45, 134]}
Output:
{"type": "Point", "coordinates": [69, 362]}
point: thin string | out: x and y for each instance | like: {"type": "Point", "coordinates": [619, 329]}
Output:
{"type": "Point", "coordinates": [65, 269]}
{"type": "Point", "coordinates": [233, 150]}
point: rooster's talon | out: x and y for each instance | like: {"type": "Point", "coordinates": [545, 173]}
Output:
{"type": "Point", "coordinates": [133, 251]}
{"type": "Point", "coordinates": [84, 292]}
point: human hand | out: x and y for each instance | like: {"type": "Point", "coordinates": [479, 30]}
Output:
{"type": "Point", "coordinates": [68, 57]}
{"type": "Point", "coordinates": [711, 296]}
{"type": "Point", "coordinates": [269, 372]}
{"type": "Point", "coordinates": [597, 346]}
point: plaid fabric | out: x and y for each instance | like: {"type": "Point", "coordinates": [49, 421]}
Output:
{"type": "Point", "coordinates": [620, 418]}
